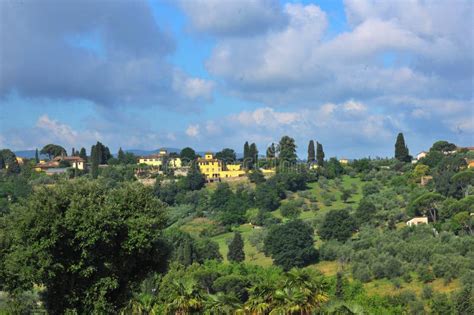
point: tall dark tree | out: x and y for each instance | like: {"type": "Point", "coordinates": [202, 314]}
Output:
{"type": "Point", "coordinates": [253, 156]}
{"type": "Point", "coordinates": [2, 162]}
{"type": "Point", "coordinates": [401, 149]}
{"type": "Point", "coordinates": [311, 152]}
{"type": "Point", "coordinates": [319, 154]}
{"type": "Point", "coordinates": [83, 154]}
{"type": "Point", "coordinates": [194, 180]}
{"type": "Point", "coordinates": [73, 152]}
{"type": "Point", "coordinates": [246, 154]}
{"type": "Point", "coordinates": [121, 156]}
{"type": "Point", "coordinates": [103, 152]}
{"type": "Point", "coordinates": [95, 161]}
{"type": "Point", "coordinates": [9, 161]}
{"type": "Point", "coordinates": [236, 248]}
{"type": "Point", "coordinates": [287, 148]}
{"type": "Point", "coordinates": [37, 160]}
{"type": "Point", "coordinates": [271, 151]}
{"type": "Point", "coordinates": [53, 150]}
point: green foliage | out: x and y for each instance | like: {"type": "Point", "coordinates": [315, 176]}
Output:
{"type": "Point", "coordinates": [53, 150]}
{"type": "Point", "coordinates": [256, 176]}
{"type": "Point", "coordinates": [311, 152]}
{"type": "Point", "coordinates": [365, 212]}
{"type": "Point", "coordinates": [291, 209]}
{"type": "Point", "coordinates": [319, 154]}
{"type": "Point", "coordinates": [334, 168]}
{"type": "Point", "coordinates": [401, 150]}
{"type": "Point", "coordinates": [443, 146]}
{"type": "Point", "coordinates": [87, 244]}
{"type": "Point", "coordinates": [337, 224]}
{"type": "Point", "coordinates": [187, 155]}
{"type": "Point", "coordinates": [227, 155]}
{"type": "Point", "coordinates": [291, 245]}
{"type": "Point", "coordinates": [287, 149]}
{"type": "Point", "coordinates": [194, 180]}
{"type": "Point", "coordinates": [236, 248]}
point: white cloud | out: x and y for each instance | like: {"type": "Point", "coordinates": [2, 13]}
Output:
{"type": "Point", "coordinates": [233, 17]}
{"type": "Point", "coordinates": [192, 88]}
{"type": "Point", "coordinates": [192, 130]}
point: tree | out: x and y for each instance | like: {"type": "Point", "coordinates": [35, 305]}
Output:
{"type": "Point", "coordinates": [426, 204]}
{"type": "Point", "coordinates": [346, 194]}
{"type": "Point", "coordinates": [319, 154]}
{"type": "Point", "coordinates": [311, 153]}
{"type": "Point", "coordinates": [266, 197]}
{"type": "Point", "coordinates": [8, 160]}
{"type": "Point", "coordinates": [246, 154]}
{"type": "Point", "coordinates": [271, 151]}
{"type": "Point", "coordinates": [291, 245]}
{"type": "Point", "coordinates": [236, 248]}
{"type": "Point", "coordinates": [53, 150]}
{"type": "Point", "coordinates": [334, 168]}
{"type": "Point", "coordinates": [287, 149]}
{"type": "Point", "coordinates": [83, 154]}
{"type": "Point", "coordinates": [121, 156]}
{"type": "Point", "coordinates": [256, 176]}
{"type": "Point", "coordinates": [253, 156]}
{"type": "Point", "coordinates": [401, 150]}
{"type": "Point", "coordinates": [95, 161]}
{"type": "Point", "coordinates": [187, 155]}
{"type": "Point", "coordinates": [339, 286]}
{"type": "Point", "coordinates": [338, 224]}
{"type": "Point", "coordinates": [227, 155]}
{"type": "Point", "coordinates": [365, 211]}
{"type": "Point", "coordinates": [89, 245]}
{"type": "Point", "coordinates": [2, 162]}
{"type": "Point", "coordinates": [37, 160]}
{"type": "Point", "coordinates": [194, 180]}
{"type": "Point", "coordinates": [464, 179]}
{"type": "Point", "coordinates": [443, 146]}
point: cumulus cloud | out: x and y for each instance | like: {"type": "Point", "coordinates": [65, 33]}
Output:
{"type": "Point", "coordinates": [234, 17]}
{"type": "Point", "coordinates": [192, 130]}
{"type": "Point", "coordinates": [108, 52]}
{"type": "Point", "coordinates": [390, 49]}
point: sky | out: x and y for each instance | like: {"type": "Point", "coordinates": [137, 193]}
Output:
{"type": "Point", "coordinates": [212, 74]}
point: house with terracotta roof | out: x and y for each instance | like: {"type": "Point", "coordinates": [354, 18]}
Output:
{"type": "Point", "coordinates": [160, 158]}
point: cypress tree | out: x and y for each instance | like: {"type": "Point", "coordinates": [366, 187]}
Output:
{"type": "Point", "coordinates": [311, 153]}
{"type": "Point", "coordinates": [83, 154]}
{"type": "Point", "coordinates": [253, 155]}
{"type": "Point", "coordinates": [73, 152]}
{"type": "Point", "coordinates": [319, 154]}
{"type": "Point", "coordinates": [401, 149]}
{"type": "Point", "coordinates": [271, 151]}
{"type": "Point", "coordinates": [121, 156]}
{"type": "Point", "coordinates": [246, 153]}
{"type": "Point", "coordinates": [95, 160]}
{"type": "Point", "coordinates": [2, 162]}
{"type": "Point", "coordinates": [236, 249]}
{"type": "Point", "coordinates": [37, 160]}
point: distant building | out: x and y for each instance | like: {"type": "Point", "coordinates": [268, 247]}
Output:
{"type": "Point", "coordinates": [74, 162]}
{"type": "Point", "coordinates": [470, 164]}
{"type": "Point", "coordinates": [417, 220]}
{"type": "Point", "coordinates": [344, 161]}
{"type": "Point", "coordinates": [214, 169]}
{"type": "Point", "coordinates": [421, 155]}
{"type": "Point", "coordinates": [20, 160]}
{"type": "Point", "coordinates": [160, 158]}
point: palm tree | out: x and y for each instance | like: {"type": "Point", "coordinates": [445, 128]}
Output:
{"type": "Point", "coordinates": [260, 298]}
{"type": "Point", "coordinates": [221, 303]}
{"type": "Point", "coordinates": [141, 304]}
{"type": "Point", "coordinates": [187, 298]}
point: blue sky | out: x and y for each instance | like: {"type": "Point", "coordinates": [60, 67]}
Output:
{"type": "Point", "coordinates": [212, 74]}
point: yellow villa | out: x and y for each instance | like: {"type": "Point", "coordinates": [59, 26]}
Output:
{"type": "Point", "coordinates": [214, 169]}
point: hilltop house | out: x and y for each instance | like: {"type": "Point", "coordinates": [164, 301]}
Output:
{"type": "Point", "coordinates": [160, 158]}
{"type": "Point", "coordinates": [421, 155]}
{"type": "Point", "coordinates": [60, 164]}
{"type": "Point", "coordinates": [214, 169]}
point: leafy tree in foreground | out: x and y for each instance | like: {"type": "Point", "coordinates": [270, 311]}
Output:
{"type": "Point", "coordinates": [338, 224]}
{"type": "Point", "coordinates": [291, 245]}
{"type": "Point", "coordinates": [236, 248]}
{"type": "Point", "coordinates": [87, 244]}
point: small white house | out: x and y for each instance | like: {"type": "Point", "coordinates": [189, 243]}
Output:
{"type": "Point", "coordinates": [421, 155]}
{"type": "Point", "coordinates": [417, 220]}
